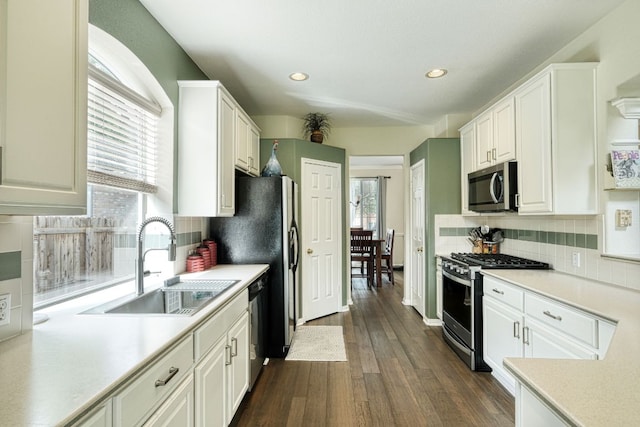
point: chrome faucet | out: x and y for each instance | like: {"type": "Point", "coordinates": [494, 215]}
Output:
{"type": "Point", "coordinates": [171, 249]}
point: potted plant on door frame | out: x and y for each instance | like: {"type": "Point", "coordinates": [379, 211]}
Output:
{"type": "Point", "coordinates": [316, 126]}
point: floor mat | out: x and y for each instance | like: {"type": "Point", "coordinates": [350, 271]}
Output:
{"type": "Point", "coordinates": [318, 344]}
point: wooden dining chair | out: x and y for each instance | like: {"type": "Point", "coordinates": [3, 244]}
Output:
{"type": "Point", "coordinates": [362, 253]}
{"type": "Point", "coordinates": [387, 255]}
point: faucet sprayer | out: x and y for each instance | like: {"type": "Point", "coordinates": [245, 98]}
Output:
{"type": "Point", "coordinates": [171, 249]}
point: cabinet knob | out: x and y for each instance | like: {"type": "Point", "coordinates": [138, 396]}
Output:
{"type": "Point", "coordinates": [309, 251]}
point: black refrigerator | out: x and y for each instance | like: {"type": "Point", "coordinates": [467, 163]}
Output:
{"type": "Point", "coordinates": [264, 231]}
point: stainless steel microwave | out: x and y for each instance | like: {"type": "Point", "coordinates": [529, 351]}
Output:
{"type": "Point", "coordinates": [494, 189]}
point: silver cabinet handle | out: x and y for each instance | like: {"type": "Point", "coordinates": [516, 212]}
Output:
{"type": "Point", "coordinates": [498, 291]}
{"type": "Point", "coordinates": [525, 333]}
{"type": "Point", "coordinates": [172, 373]}
{"type": "Point", "coordinates": [234, 347]}
{"type": "Point", "coordinates": [493, 154]}
{"type": "Point", "coordinates": [227, 355]}
{"type": "Point", "coordinates": [548, 313]}
{"type": "Point", "coordinates": [488, 156]}
{"type": "Point", "coordinates": [516, 330]}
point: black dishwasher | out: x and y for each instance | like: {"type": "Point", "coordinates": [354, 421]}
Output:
{"type": "Point", "coordinates": [257, 328]}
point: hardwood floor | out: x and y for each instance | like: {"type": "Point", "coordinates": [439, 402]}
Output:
{"type": "Point", "coordinates": [399, 373]}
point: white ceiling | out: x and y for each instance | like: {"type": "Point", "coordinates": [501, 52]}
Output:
{"type": "Point", "coordinates": [367, 58]}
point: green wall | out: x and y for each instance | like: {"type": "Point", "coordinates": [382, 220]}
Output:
{"type": "Point", "coordinates": [289, 153]}
{"type": "Point", "coordinates": [130, 23]}
{"type": "Point", "coordinates": [442, 196]}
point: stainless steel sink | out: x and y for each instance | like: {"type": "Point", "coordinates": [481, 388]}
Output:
{"type": "Point", "coordinates": [178, 299]}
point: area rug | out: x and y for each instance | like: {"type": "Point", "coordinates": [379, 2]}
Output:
{"type": "Point", "coordinates": [318, 344]}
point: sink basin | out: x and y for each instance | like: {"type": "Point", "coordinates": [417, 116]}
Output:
{"type": "Point", "coordinates": [179, 299]}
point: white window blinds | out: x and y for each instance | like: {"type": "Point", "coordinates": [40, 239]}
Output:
{"type": "Point", "coordinates": [122, 136]}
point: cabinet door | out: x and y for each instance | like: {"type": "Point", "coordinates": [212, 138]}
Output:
{"type": "Point", "coordinates": [484, 140]}
{"type": "Point", "coordinates": [254, 151]}
{"type": "Point", "coordinates": [532, 412]}
{"type": "Point", "coordinates": [542, 342]}
{"type": "Point", "coordinates": [226, 182]}
{"type": "Point", "coordinates": [238, 379]}
{"type": "Point", "coordinates": [43, 119]}
{"type": "Point", "coordinates": [468, 161]}
{"type": "Point", "coordinates": [533, 144]}
{"type": "Point", "coordinates": [242, 141]}
{"type": "Point", "coordinates": [504, 136]}
{"type": "Point", "coordinates": [501, 330]}
{"type": "Point", "coordinates": [210, 380]}
{"type": "Point", "coordinates": [100, 417]}
{"type": "Point", "coordinates": [177, 410]}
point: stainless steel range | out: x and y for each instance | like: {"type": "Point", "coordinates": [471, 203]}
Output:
{"type": "Point", "coordinates": [462, 300]}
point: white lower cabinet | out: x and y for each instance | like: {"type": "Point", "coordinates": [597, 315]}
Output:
{"type": "Point", "coordinates": [172, 392]}
{"type": "Point", "coordinates": [501, 337]}
{"type": "Point", "coordinates": [520, 323]}
{"type": "Point", "coordinates": [139, 401]}
{"type": "Point", "coordinates": [532, 412]}
{"type": "Point", "coordinates": [99, 417]}
{"type": "Point", "coordinates": [177, 410]}
{"type": "Point", "coordinates": [222, 372]}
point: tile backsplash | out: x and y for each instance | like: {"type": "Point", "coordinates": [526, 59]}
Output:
{"type": "Point", "coordinates": [549, 239]}
{"type": "Point", "coordinates": [16, 272]}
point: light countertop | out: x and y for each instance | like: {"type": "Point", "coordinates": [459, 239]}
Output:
{"type": "Point", "coordinates": [67, 364]}
{"type": "Point", "coordinates": [586, 392]}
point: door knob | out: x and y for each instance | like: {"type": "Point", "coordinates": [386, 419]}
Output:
{"type": "Point", "coordinates": [309, 251]}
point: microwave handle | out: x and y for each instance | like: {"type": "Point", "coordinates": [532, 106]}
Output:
{"type": "Point", "coordinates": [492, 187]}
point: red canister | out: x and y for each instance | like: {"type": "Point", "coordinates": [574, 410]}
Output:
{"type": "Point", "coordinates": [195, 263]}
{"type": "Point", "coordinates": [206, 255]}
{"type": "Point", "coordinates": [213, 251]}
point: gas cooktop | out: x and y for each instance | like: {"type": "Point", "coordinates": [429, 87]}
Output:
{"type": "Point", "coordinates": [499, 261]}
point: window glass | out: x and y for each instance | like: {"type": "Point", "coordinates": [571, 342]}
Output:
{"type": "Point", "coordinates": [74, 255]}
{"type": "Point", "coordinates": [364, 203]}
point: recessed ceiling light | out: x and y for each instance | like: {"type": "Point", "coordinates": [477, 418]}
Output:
{"type": "Point", "coordinates": [298, 77]}
{"type": "Point", "coordinates": [436, 72]}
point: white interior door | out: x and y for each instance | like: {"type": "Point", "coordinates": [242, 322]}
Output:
{"type": "Point", "coordinates": [417, 238]}
{"type": "Point", "coordinates": [321, 227]}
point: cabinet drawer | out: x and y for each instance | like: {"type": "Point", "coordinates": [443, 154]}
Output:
{"type": "Point", "coordinates": [143, 394]}
{"type": "Point", "coordinates": [563, 318]}
{"type": "Point", "coordinates": [209, 333]}
{"type": "Point", "coordinates": [501, 291]}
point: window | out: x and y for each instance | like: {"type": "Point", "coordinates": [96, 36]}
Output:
{"type": "Point", "coordinates": [74, 255]}
{"type": "Point", "coordinates": [364, 203]}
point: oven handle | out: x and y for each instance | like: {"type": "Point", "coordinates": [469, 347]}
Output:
{"type": "Point", "coordinates": [464, 282]}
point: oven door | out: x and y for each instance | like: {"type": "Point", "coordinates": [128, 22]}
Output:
{"type": "Point", "coordinates": [457, 310]}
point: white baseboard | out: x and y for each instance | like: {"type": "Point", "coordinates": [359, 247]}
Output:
{"type": "Point", "coordinates": [432, 322]}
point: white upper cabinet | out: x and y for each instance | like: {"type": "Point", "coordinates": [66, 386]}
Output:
{"type": "Point", "coordinates": [556, 140]}
{"type": "Point", "coordinates": [484, 140]}
{"type": "Point", "coordinates": [206, 138]}
{"type": "Point", "coordinates": [495, 137]}
{"type": "Point", "coordinates": [504, 137]}
{"type": "Point", "coordinates": [43, 107]}
{"type": "Point", "coordinates": [548, 125]}
{"type": "Point", "coordinates": [247, 144]}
